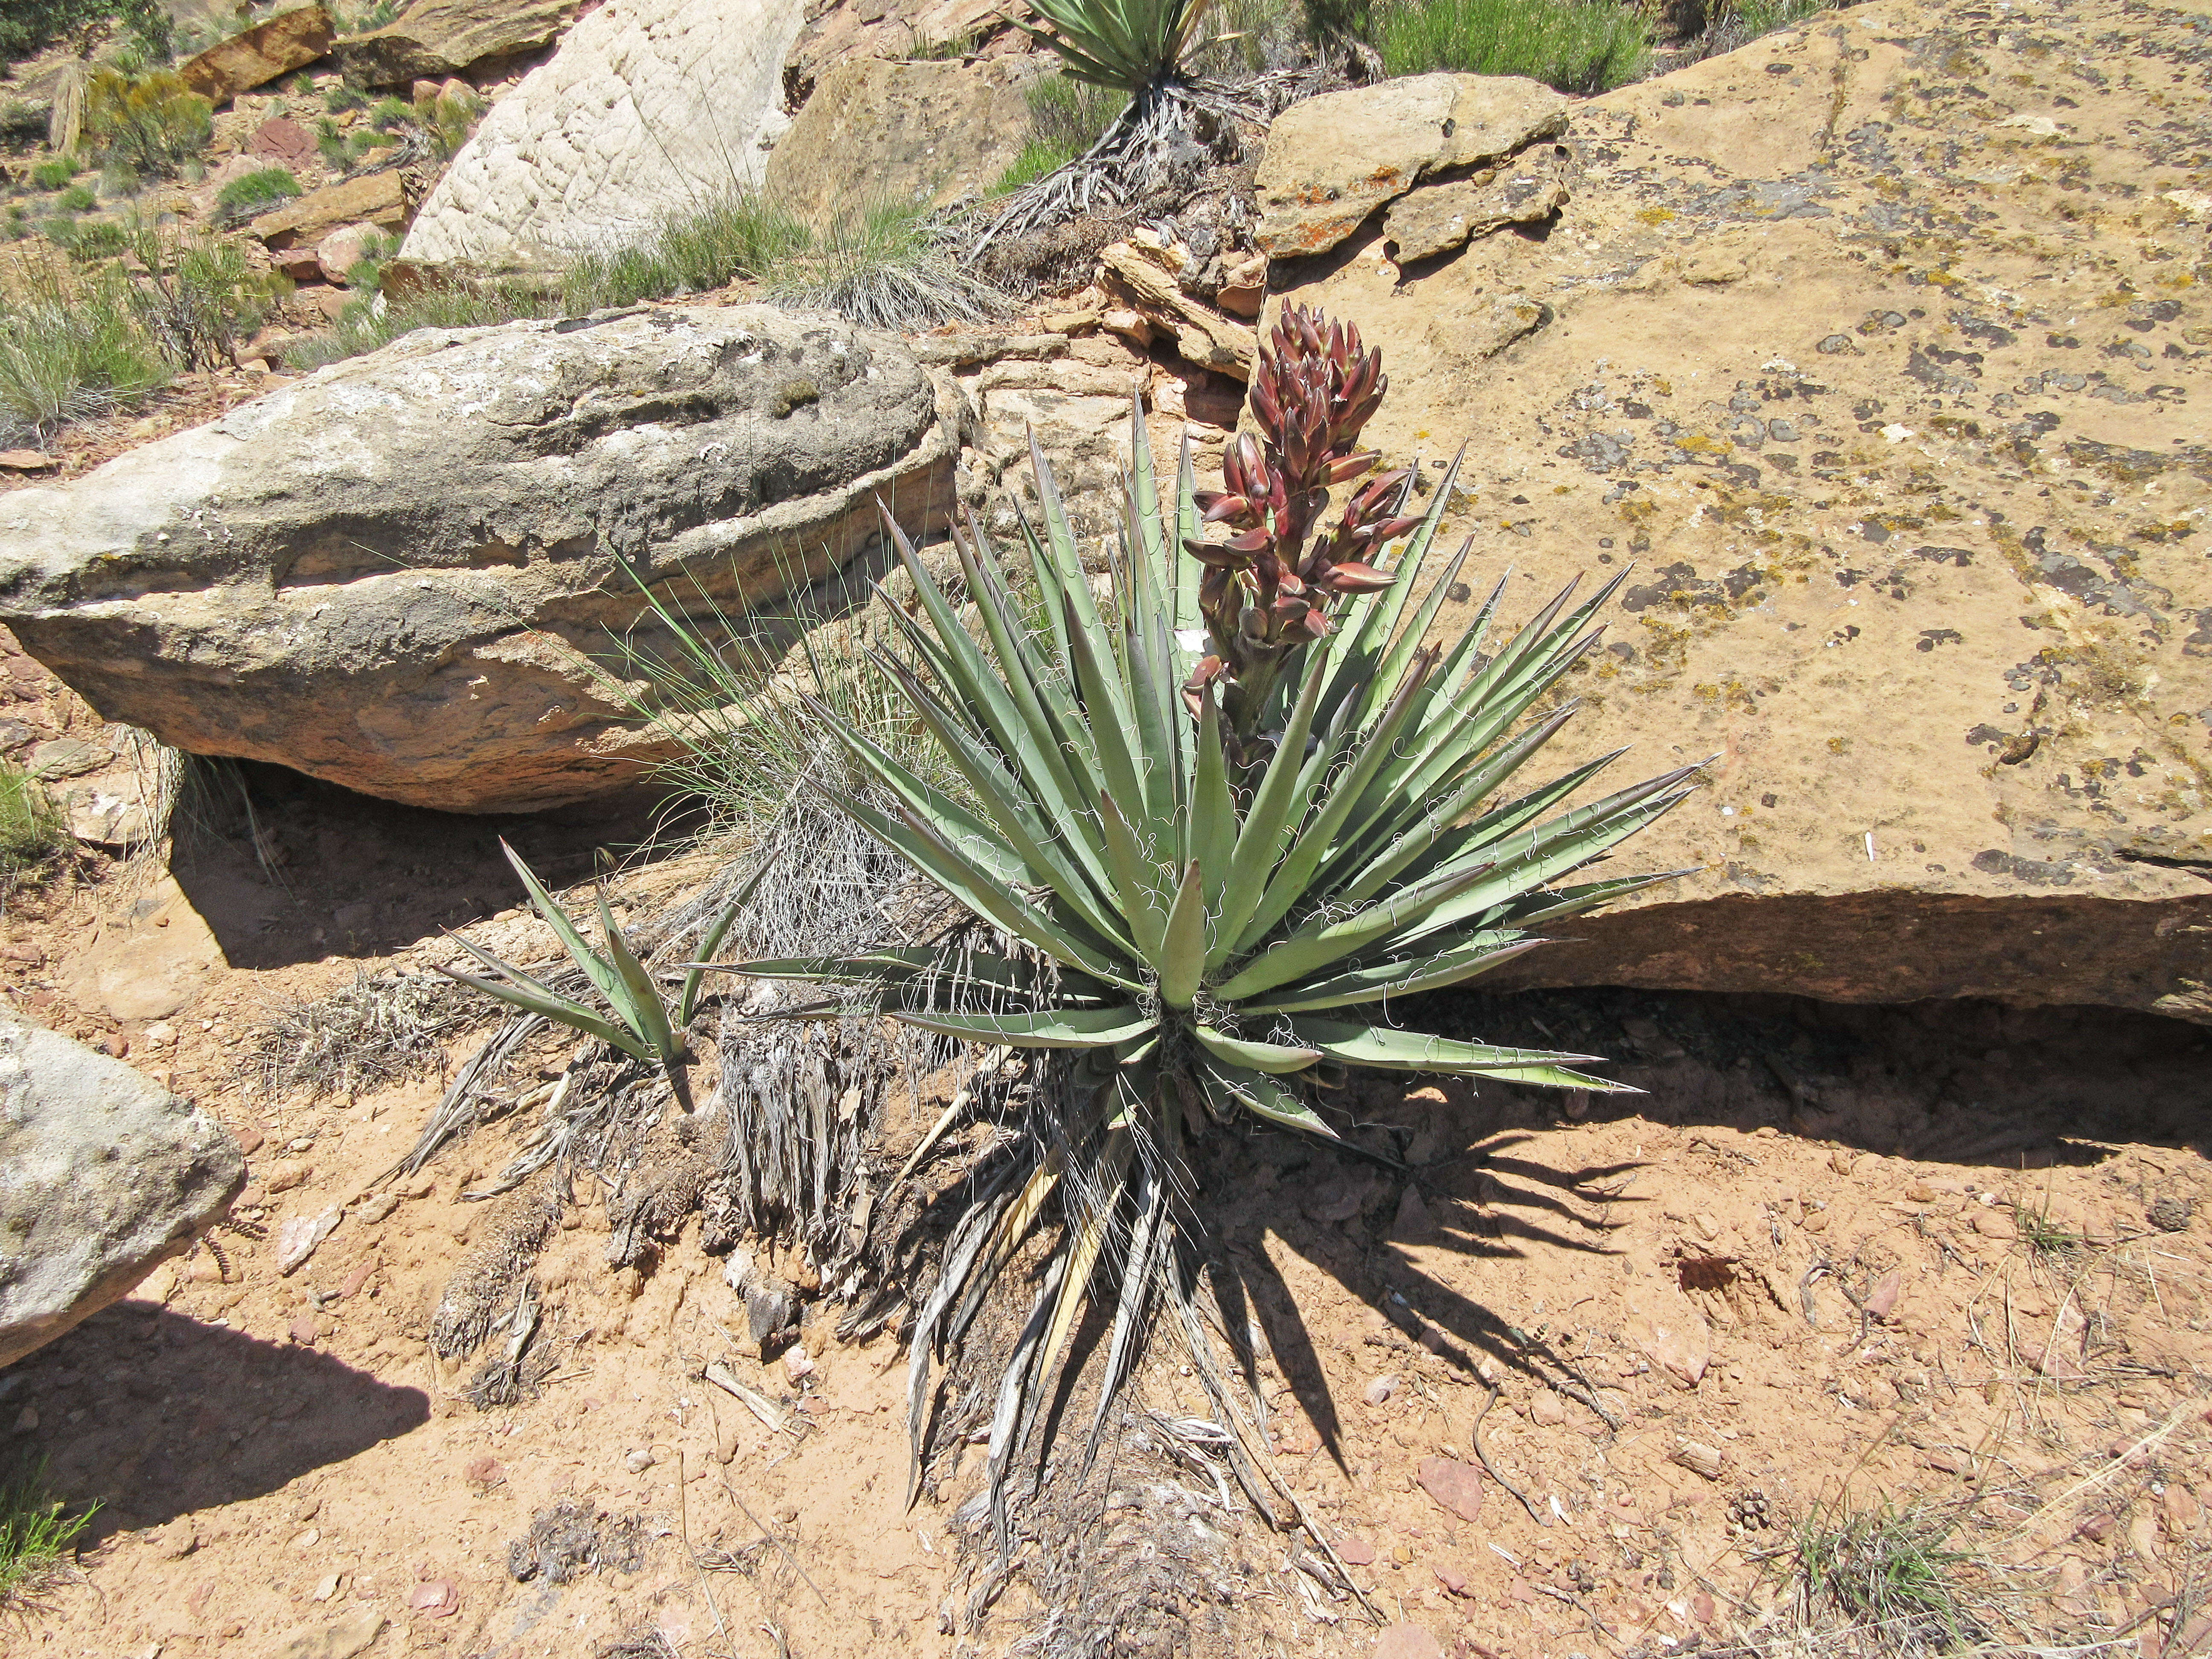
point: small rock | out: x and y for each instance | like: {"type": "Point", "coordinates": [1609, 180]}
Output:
{"type": "Point", "coordinates": [1881, 1300]}
{"type": "Point", "coordinates": [346, 1638]}
{"type": "Point", "coordinates": [485, 1472]}
{"type": "Point", "coordinates": [28, 460]}
{"type": "Point", "coordinates": [1699, 1459]}
{"type": "Point", "coordinates": [1355, 1551]}
{"type": "Point", "coordinates": [1709, 1228]}
{"type": "Point", "coordinates": [2170, 1214]}
{"type": "Point", "coordinates": [1995, 1224]}
{"type": "Point", "coordinates": [737, 1270]}
{"type": "Point", "coordinates": [175, 1541]}
{"type": "Point", "coordinates": [326, 1586]}
{"type": "Point", "coordinates": [437, 1599]}
{"type": "Point", "coordinates": [640, 1460]}
{"type": "Point", "coordinates": [1414, 1224]}
{"type": "Point", "coordinates": [1456, 1485]}
{"type": "Point", "coordinates": [26, 1420]}
{"type": "Point", "coordinates": [1407, 1642]}
{"type": "Point", "coordinates": [302, 1329]}
{"type": "Point", "coordinates": [248, 1138]}
{"type": "Point", "coordinates": [1680, 1344]}
{"type": "Point", "coordinates": [298, 1237]}
{"type": "Point", "coordinates": [379, 1208]}
{"type": "Point", "coordinates": [286, 1175]}
{"type": "Point", "coordinates": [1380, 1390]}
{"type": "Point", "coordinates": [798, 1365]}
{"type": "Point", "coordinates": [768, 1312]}
{"type": "Point", "coordinates": [1919, 1192]}
{"type": "Point", "coordinates": [1451, 1576]}
{"type": "Point", "coordinates": [1547, 1409]}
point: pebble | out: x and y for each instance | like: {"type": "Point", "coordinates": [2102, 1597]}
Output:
{"type": "Point", "coordinates": [376, 1209]}
{"type": "Point", "coordinates": [285, 1176]}
{"type": "Point", "coordinates": [302, 1329]}
{"type": "Point", "coordinates": [1355, 1551]}
{"type": "Point", "coordinates": [1407, 1642]}
{"type": "Point", "coordinates": [248, 1138]}
{"type": "Point", "coordinates": [1547, 1409]}
{"type": "Point", "coordinates": [308, 1539]}
{"type": "Point", "coordinates": [640, 1460]}
{"type": "Point", "coordinates": [1995, 1224]}
{"type": "Point", "coordinates": [1380, 1390]}
{"type": "Point", "coordinates": [326, 1586]}
{"type": "Point", "coordinates": [298, 1237]}
{"type": "Point", "coordinates": [175, 1541]}
{"type": "Point", "coordinates": [1456, 1485]}
{"type": "Point", "coordinates": [798, 1364]}
{"type": "Point", "coordinates": [1450, 1575]}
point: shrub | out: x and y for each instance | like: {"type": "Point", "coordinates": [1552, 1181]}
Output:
{"type": "Point", "coordinates": [78, 199]}
{"type": "Point", "coordinates": [256, 191]}
{"type": "Point", "coordinates": [360, 142]}
{"type": "Point", "coordinates": [30, 26]}
{"type": "Point", "coordinates": [1223, 826]}
{"type": "Point", "coordinates": [152, 121]}
{"type": "Point", "coordinates": [198, 295]}
{"type": "Point", "coordinates": [54, 174]}
{"type": "Point", "coordinates": [341, 96]}
{"type": "Point", "coordinates": [390, 112]}
{"type": "Point", "coordinates": [330, 144]}
{"type": "Point", "coordinates": [33, 833]}
{"type": "Point", "coordinates": [1577, 45]}
{"type": "Point", "coordinates": [447, 120]}
{"type": "Point", "coordinates": [87, 240]}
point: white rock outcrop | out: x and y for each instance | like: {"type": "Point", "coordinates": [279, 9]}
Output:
{"type": "Point", "coordinates": [648, 107]}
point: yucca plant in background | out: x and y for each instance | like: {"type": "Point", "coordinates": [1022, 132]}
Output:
{"type": "Point", "coordinates": [1217, 828]}
{"type": "Point", "coordinates": [1123, 44]}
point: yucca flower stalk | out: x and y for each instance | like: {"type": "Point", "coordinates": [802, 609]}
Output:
{"type": "Point", "coordinates": [1207, 941]}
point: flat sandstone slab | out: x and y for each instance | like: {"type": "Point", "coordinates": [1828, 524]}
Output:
{"type": "Point", "coordinates": [1880, 350]}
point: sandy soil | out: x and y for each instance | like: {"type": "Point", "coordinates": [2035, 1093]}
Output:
{"type": "Point", "coordinates": [1955, 1255]}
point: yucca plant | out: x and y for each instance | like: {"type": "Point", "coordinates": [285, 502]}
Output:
{"type": "Point", "coordinates": [1124, 43]}
{"type": "Point", "coordinates": [644, 1025]}
{"type": "Point", "coordinates": [1218, 827]}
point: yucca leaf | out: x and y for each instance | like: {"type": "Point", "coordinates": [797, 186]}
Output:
{"type": "Point", "coordinates": [642, 1011]}
{"type": "Point", "coordinates": [1053, 1028]}
{"type": "Point", "coordinates": [1136, 880]}
{"type": "Point", "coordinates": [1415, 1051]}
{"type": "Point", "coordinates": [532, 998]}
{"type": "Point", "coordinates": [924, 847]}
{"type": "Point", "coordinates": [687, 1004]}
{"type": "Point", "coordinates": [1212, 811]}
{"type": "Point", "coordinates": [1555, 905]}
{"type": "Point", "coordinates": [1104, 1179]}
{"type": "Point", "coordinates": [1182, 950]}
{"type": "Point", "coordinates": [1266, 825]}
{"type": "Point", "coordinates": [1270, 1057]}
{"type": "Point", "coordinates": [1398, 976]}
{"type": "Point", "coordinates": [596, 968]}
{"type": "Point", "coordinates": [1264, 1098]}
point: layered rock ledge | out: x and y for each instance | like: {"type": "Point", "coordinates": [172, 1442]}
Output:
{"type": "Point", "coordinates": [384, 574]}
{"type": "Point", "coordinates": [1879, 349]}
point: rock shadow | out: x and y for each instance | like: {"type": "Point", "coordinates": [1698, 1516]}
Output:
{"type": "Point", "coordinates": [155, 1415]}
{"type": "Point", "coordinates": [285, 868]}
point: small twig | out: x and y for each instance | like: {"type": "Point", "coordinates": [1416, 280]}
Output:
{"type": "Point", "coordinates": [683, 1521]}
{"type": "Point", "coordinates": [1576, 1603]}
{"type": "Point", "coordinates": [1474, 1435]}
{"type": "Point", "coordinates": [773, 1539]}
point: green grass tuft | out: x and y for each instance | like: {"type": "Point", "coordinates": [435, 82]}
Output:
{"type": "Point", "coordinates": [1890, 1571]}
{"type": "Point", "coordinates": [34, 833]}
{"type": "Point", "coordinates": [70, 347]}
{"type": "Point", "coordinates": [54, 174]}
{"type": "Point", "coordinates": [256, 191]}
{"type": "Point", "coordinates": [35, 1532]}
{"type": "Point", "coordinates": [77, 198]}
{"type": "Point", "coordinates": [1577, 45]}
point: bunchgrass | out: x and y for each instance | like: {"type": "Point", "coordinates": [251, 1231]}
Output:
{"type": "Point", "coordinates": [71, 346]}
{"type": "Point", "coordinates": [256, 191]}
{"type": "Point", "coordinates": [363, 327]}
{"type": "Point", "coordinates": [1066, 118]}
{"type": "Point", "coordinates": [36, 1533]}
{"type": "Point", "coordinates": [382, 1029]}
{"type": "Point", "coordinates": [34, 832]}
{"type": "Point", "coordinates": [1888, 1574]}
{"type": "Point", "coordinates": [53, 173]}
{"type": "Point", "coordinates": [1577, 45]}
{"type": "Point", "coordinates": [878, 266]}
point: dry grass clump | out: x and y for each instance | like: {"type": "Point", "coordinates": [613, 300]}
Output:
{"type": "Point", "coordinates": [382, 1029]}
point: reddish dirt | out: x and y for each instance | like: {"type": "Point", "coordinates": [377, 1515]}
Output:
{"type": "Point", "coordinates": [275, 1454]}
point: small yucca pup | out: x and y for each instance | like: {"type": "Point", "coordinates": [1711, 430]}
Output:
{"type": "Point", "coordinates": [1217, 827]}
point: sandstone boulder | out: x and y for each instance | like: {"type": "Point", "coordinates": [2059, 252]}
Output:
{"type": "Point", "coordinates": [648, 107]}
{"type": "Point", "coordinates": [1331, 160]}
{"type": "Point", "coordinates": [1872, 348]}
{"type": "Point", "coordinates": [433, 38]}
{"type": "Point", "coordinates": [381, 574]}
{"type": "Point", "coordinates": [920, 131]}
{"type": "Point", "coordinates": [844, 31]}
{"type": "Point", "coordinates": [259, 53]}
{"type": "Point", "coordinates": [103, 1177]}
{"type": "Point", "coordinates": [375, 198]}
